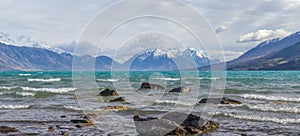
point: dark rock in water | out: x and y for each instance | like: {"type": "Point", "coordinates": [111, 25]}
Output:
{"type": "Point", "coordinates": [183, 89]}
{"type": "Point", "coordinates": [155, 126]}
{"type": "Point", "coordinates": [64, 133]}
{"type": "Point", "coordinates": [174, 123]}
{"type": "Point", "coordinates": [223, 100]}
{"type": "Point", "coordinates": [63, 116]}
{"type": "Point", "coordinates": [83, 125]}
{"type": "Point", "coordinates": [51, 129]}
{"type": "Point", "coordinates": [116, 107]}
{"type": "Point", "coordinates": [119, 99]}
{"type": "Point", "coordinates": [81, 121]}
{"type": "Point", "coordinates": [108, 92]}
{"type": "Point", "coordinates": [6, 129]}
{"type": "Point", "coordinates": [146, 85]}
{"type": "Point", "coordinates": [65, 127]}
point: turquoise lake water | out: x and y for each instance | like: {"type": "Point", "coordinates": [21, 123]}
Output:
{"type": "Point", "coordinates": [33, 101]}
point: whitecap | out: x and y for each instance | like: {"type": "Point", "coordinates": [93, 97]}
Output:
{"type": "Point", "coordinates": [168, 79]}
{"type": "Point", "coordinates": [25, 93]}
{"type": "Point", "coordinates": [8, 87]}
{"type": "Point", "coordinates": [209, 78]}
{"type": "Point", "coordinates": [274, 108]}
{"type": "Point", "coordinates": [108, 80]}
{"type": "Point", "coordinates": [14, 106]}
{"type": "Point", "coordinates": [73, 108]}
{"type": "Point", "coordinates": [260, 118]}
{"type": "Point", "coordinates": [265, 107]}
{"type": "Point", "coordinates": [24, 74]}
{"type": "Point", "coordinates": [51, 90]}
{"type": "Point", "coordinates": [44, 80]}
{"type": "Point", "coordinates": [174, 102]}
{"type": "Point", "coordinates": [271, 98]}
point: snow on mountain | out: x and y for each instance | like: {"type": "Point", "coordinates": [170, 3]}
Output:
{"type": "Point", "coordinates": [270, 41]}
{"type": "Point", "coordinates": [26, 41]}
{"type": "Point", "coordinates": [173, 53]}
{"type": "Point", "coordinates": [168, 59]}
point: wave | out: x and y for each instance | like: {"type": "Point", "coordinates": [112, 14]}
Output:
{"type": "Point", "coordinates": [14, 106]}
{"type": "Point", "coordinates": [51, 90]}
{"type": "Point", "coordinates": [25, 94]}
{"type": "Point", "coordinates": [273, 108]}
{"type": "Point", "coordinates": [264, 107]}
{"type": "Point", "coordinates": [8, 87]}
{"type": "Point", "coordinates": [270, 98]}
{"type": "Point", "coordinates": [24, 74]}
{"type": "Point", "coordinates": [209, 78]}
{"type": "Point", "coordinates": [44, 80]}
{"type": "Point", "coordinates": [108, 80]}
{"type": "Point", "coordinates": [174, 102]}
{"type": "Point", "coordinates": [168, 79]}
{"type": "Point", "coordinates": [260, 118]}
{"type": "Point", "coordinates": [73, 108]}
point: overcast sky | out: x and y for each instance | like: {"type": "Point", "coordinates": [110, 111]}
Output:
{"type": "Point", "coordinates": [239, 24]}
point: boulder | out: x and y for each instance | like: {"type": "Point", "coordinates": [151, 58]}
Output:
{"type": "Point", "coordinates": [80, 121]}
{"type": "Point", "coordinates": [174, 123]}
{"type": "Point", "coordinates": [51, 129]}
{"type": "Point", "coordinates": [64, 133]}
{"type": "Point", "coordinates": [116, 107]}
{"type": "Point", "coordinates": [147, 85]}
{"type": "Point", "coordinates": [119, 99]}
{"type": "Point", "coordinates": [108, 92]}
{"type": "Point", "coordinates": [154, 126]}
{"type": "Point", "coordinates": [6, 129]}
{"type": "Point", "coordinates": [223, 100]}
{"type": "Point", "coordinates": [183, 89]}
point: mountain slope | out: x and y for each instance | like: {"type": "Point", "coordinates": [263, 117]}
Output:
{"type": "Point", "coordinates": [260, 57]}
{"type": "Point", "coordinates": [26, 58]}
{"type": "Point", "coordinates": [269, 47]}
{"type": "Point", "coordinates": [167, 59]}
{"type": "Point", "coordinates": [31, 58]}
{"type": "Point", "coordinates": [286, 59]}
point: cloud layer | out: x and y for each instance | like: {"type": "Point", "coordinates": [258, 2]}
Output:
{"type": "Point", "coordinates": [264, 34]}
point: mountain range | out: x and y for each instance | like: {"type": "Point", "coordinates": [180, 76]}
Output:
{"type": "Point", "coordinates": [25, 54]}
{"type": "Point", "coordinates": [38, 56]}
{"type": "Point", "coordinates": [274, 54]}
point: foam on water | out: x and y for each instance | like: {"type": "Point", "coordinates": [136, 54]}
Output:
{"type": "Point", "coordinates": [25, 93]}
{"type": "Point", "coordinates": [174, 102]}
{"type": "Point", "coordinates": [108, 80]}
{"type": "Point", "coordinates": [24, 74]}
{"type": "Point", "coordinates": [270, 98]}
{"type": "Point", "coordinates": [260, 118]}
{"type": "Point", "coordinates": [168, 79]}
{"type": "Point", "coordinates": [274, 108]}
{"type": "Point", "coordinates": [209, 78]}
{"type": "Point", "coordinates": [44, 80]}
{"type": "Point", "coordinates": [265, 107]}
{"type": "Point", "coordinates": [51, 90]}
{"type": "Point", "coordinates": [14, 106]}
{"type": "Point", "coordinates": [73, 108]}
{"type": "Point", "coordinates": [8, 87]}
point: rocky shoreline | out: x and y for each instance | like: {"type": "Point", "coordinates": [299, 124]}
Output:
{"type": "Point", "coordinates": [174, 123]}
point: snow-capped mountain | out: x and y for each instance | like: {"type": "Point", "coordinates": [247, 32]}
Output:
{"type": "Point", "coordinates": [280, 54]}
{"type": "Point", "coordinates": [269, 47]}
{"type": "Point", "coordinates": [22, 40]}
{"type": "Point", "coordinates": [168, 59]}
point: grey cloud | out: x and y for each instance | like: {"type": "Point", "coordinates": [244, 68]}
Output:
{"type": "Point", "coordinates": [221, 29]}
